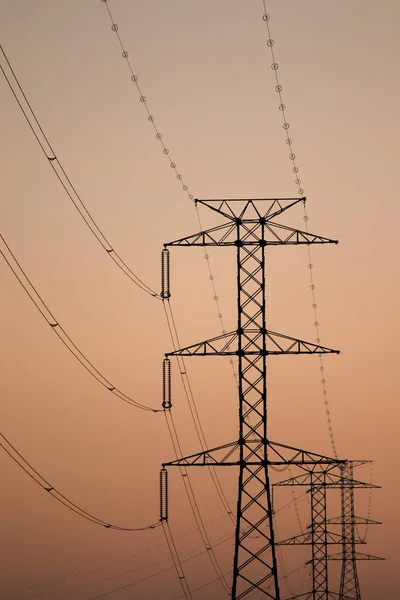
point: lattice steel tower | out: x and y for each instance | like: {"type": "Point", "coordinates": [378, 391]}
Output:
{"type": "Point", "coordinates": [250, 227]}
{"type": "Point", "coordinates": [349, 585]}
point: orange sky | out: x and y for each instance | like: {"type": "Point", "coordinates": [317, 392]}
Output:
{"type": "Point", "coordinates": [205, 70]}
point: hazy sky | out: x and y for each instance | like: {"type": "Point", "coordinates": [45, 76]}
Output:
{"type": "Point", "coordinates": [204, 68]}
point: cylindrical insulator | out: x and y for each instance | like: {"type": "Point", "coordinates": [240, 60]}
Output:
{"type": "Point", "coordinates": [163, 495]}
{"type": "Point", "coordinates": [165, 279]}
{"type": "Point", "coordinates": [166, 376]}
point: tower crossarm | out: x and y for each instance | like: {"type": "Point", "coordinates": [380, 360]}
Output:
{"type": "Point", "coordinates": [357, 556]}
{"type": "Point", "coordinates": [292, 455]}
{"type": "Point", "coordinates": [250, 209]}
{"type": "Point", "coordinates": [277, 455]}
{"type": "Point", "coordinates": [332, 480]}
{"type": "Point", "coordinates": [252, 343]}
{"type": "Point", "coordinates": [354, 520]}
{"type": "Point", "coordinates": [260, 234]}
{"type": "Point", "coordinates": [306, 539]}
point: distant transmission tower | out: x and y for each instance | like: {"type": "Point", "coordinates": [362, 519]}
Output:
{"type": "Point", "coordinates": [320, 535]}
{"type": "Point", "coordinates": [349, 584]}
{"type": "Point", "coordinates": [250, 226]}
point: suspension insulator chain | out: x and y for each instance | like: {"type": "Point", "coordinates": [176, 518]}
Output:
{"type": "Point", "coordinates": [163, 495]}
{"type": "Point", "coordinates": [165, 274]}
{"type": "Point", "coordinates": [166, 376]}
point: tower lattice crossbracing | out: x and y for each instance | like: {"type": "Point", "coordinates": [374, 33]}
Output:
{"type": "Point", "coordinates": [250, 226]}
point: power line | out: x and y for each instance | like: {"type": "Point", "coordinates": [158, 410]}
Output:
{"type": "Point", "coordinates": [143, 100]}
{"type": "Point", "coordinates": [200, 433]}
{"type": "Point", "coordinates": [295, 170]}
{"type": "Point", "coordinates": [61, 174]}
{"type": "Point", "coordinates": [167, 307]}
{"type": "Point", "coordinates": [204, 585]}
{"type": "Point", "coordinates": [49, 317]}
{"type": "Point", "coordinates": [172, 164]}
{"type": "Point", "coordinates": [162, 571]}
{"type": "Point", "coordinates": [363, 537]}
{"type": "Point", "coordinates": [300, 190]}
{"type": "Point", "coordinates": [28, 468]}
{"type": "Point", "coordinates": [221, 541]}
{"type": "Point", "coordinates": [176, 560]}
{"type": "Point", "coordinates": [296, 507]}
{"type": "Point", "coordinates": [51, 320]}
{"type": "Point", "coordinates": [50, 154]}
{"type": "Point", "coordinates": [214, 580]}
{"type": "Point", "coordinates": [152, 294]}
{"type": "Point", "coordinates": [282, 565]}
{"type": "Point", "coordinates": [193, 502]}
{"type": "Point", "coordinates": [74, 588]}
{"type": "Point", "coordinates": [115, 563]}
{"type": "Point", "coordinates": [133, 583]}
{"type": "Point", "coordinates": [43, 482]}
{"type": "Point", "coordinates": [64, 179]}
{"type": "Point", "coordinates": [188, 390]}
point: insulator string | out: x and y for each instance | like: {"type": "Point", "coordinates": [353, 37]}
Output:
{"type": "Point", "coordinates": [165, 274]}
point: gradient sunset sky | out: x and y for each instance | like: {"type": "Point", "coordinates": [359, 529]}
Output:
{"type": "Point", "coordinates": [204, 68]}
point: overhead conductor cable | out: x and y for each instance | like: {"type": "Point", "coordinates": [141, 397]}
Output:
{"type": "Point", "coordinates": [300, 190]}
{"type": "Point", "coordinates": [78, 203]}
{"type": "Point", "coordinates": [63, 177]}
{"type": "Point", "coordinates": [26, 466]}
{"type": "Point", "coordinates": [172, 163]}
{"type": "Point", "coordinates": [48, 316]}
{"type": "Point", "coordinates": [173, 331]}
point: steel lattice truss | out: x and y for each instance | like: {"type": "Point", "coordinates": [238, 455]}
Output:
{"type": "Point", "coordinates": [321, 538]}
{"type": "Point", "coordinates": [252, 343]}
{"type": "Point", "coordinates": [250, 228]}
{"type": "Point", "coordinates": [318, 536]}
{"type": "Point", "coordinates": [278, 455]}
{"type": "Point", "coordinates": [349, 584]}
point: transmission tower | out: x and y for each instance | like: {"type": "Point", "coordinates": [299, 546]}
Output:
{"type": "Point", "coordinates": [349, 583]}
{"type": "Point", "coordinates": [250, 227]}
{"type": "Point", "coordinates": [319, 535]}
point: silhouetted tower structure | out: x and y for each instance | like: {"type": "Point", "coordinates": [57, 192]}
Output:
{"type": "Point", "coordinates": [317, 534]}
{"type": "Point", "coordinates": [349, 583]}
{"type": "Point", "coordinates": [250, 227]}
{"type": "Point", "coordinates": [320, 535]}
